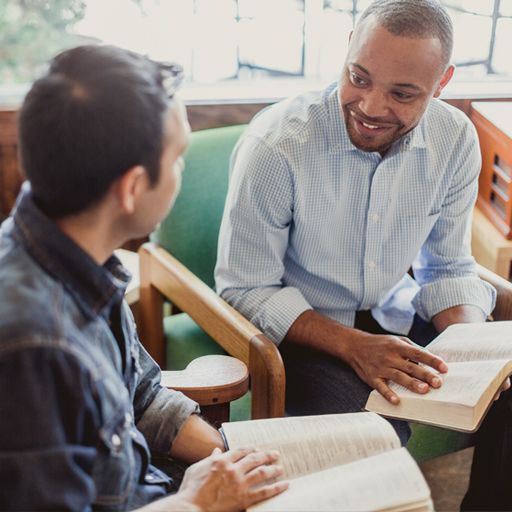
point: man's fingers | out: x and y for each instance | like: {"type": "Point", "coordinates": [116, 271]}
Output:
{"type": "Point", "coordinates": [258, 458]}
{"type": "Point", "coordinates": [266, 491]}
{"type": "Point", "coordinates": [504, 387]}
{"type": "Point", "coordinates": [419, 355]}
{"type": "Point", "coordinates": [263, 474]}
{"type": "Point", "coordinates": [238, 454]}
{"type": "Point", "coordinates": [382, 387]}
{"type": "Point", "coordinates": [422, 375]}
{"type": "Point", "coordinates": [402, 378]}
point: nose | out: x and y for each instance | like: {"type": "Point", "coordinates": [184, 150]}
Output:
{"type": "Point", "coordinates": [373, 103]}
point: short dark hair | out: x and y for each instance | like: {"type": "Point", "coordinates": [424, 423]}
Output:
{"type": "Point", "coordinates": [97, 112]}
{"type": "Point", "coordinates": [415, 18]}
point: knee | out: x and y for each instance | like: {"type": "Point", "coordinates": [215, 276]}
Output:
{"type": "Point", "coordinates": [402, 429]}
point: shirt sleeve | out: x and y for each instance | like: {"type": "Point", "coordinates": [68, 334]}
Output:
{"type": "Point", "coordinates": [254, 238]}
{"type": "Point", "coordinates": [159, 412]}
{"type": "Point", "coordinates": [445, 268]}
{"type": "Point", "coordinates": [46, 446]}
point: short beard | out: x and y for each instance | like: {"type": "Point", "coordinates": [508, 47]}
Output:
{"type": "Point", "coordinates": [358, 141]}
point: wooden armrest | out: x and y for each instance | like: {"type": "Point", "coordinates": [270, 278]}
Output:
{"type": "Point", "coordinates": [210, 380]}
{"type": "Point", "coordinates": [162, 274]}
{"type": "Point", "coordinates": [503, 309]}
{"type": "Point", "coordinates": [213, 382]}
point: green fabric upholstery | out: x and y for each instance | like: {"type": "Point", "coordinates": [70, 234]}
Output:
{"type": "Point", "coordinates": [186, 341]}
{"type": "Point", "coordinates": [190, 234]}
{"type": "Point", "coordinates": [428, 442]}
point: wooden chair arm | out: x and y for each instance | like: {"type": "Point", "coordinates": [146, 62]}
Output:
{"type": "Point", "coordinates": [213, 382]}
{"type": "Point", "coordinates": [210, 380]}
{"type": "Point", "coordinates": [162, 275]}
{"type": "Point", "coordinates": [503, 309]}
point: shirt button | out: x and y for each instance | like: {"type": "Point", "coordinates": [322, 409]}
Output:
{"type": "Point", "coordinates": [375, 217]}
{"type": "Point", "coordinates": [371, 264]}
{"type": "Point", "coordinates": [116, 441]}
{"type": "Point", "coordinates": [127, 419]}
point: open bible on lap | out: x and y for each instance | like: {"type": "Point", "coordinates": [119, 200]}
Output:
{"type": "Point", "coordinates": [336, 462]}
{"type": "Point", "coordinates": [479, 358]}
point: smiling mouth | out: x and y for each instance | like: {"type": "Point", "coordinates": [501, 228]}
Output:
{"type": "Point", "coordinates": [370, 126]}
{"type": "Point", "coordinates": [367, 129]}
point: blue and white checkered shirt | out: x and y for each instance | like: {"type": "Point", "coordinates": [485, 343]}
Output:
{"type": "Point", "coordinates": [312, 222]}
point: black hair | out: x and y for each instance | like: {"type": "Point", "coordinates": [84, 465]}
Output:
{"type": "Point", "coordinates": [96, 113]}
{"type": "Point", "coordinates": [415, 18]}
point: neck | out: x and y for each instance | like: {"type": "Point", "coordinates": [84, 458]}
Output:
{"type": "Point", "coordinates": [92, 232]}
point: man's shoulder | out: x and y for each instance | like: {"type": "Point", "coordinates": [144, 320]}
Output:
{"type": "Point", "coordinates": [443, 119]}
{"type": "Point", "coordinates": [29, 310]}
{"type": "Point", "coordinates": [293, 119]}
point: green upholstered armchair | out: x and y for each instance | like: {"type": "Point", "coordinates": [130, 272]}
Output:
{"type": "Point", "coordinates": [178, 265]}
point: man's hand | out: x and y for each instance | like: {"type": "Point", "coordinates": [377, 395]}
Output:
{"type": "Point", "coordinates": [232, 481]}
{"type": "Point", "coordinates": [378, 359]}
{"type": "Point", "coordinates": [504, 387]}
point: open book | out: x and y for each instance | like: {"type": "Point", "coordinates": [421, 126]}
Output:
{"type": "Point", "coordinates": [479, 358]}
{"type": "Point", "coordinates": [336, 462]}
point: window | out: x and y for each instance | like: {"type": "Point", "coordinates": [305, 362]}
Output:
{"type": "Point", "coordinates": [228, 40]}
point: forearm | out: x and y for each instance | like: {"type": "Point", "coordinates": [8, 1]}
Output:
{"type": "Point", "coordinates": [457, 315]}
{"type": "Point", "coordinates": [196, 440]}
{"type": "Point", "coordinates": [313, 330]}
{"type": "Point", "coordinates": [273, 310]}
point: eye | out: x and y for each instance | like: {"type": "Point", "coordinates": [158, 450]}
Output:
{"type": "Point", "coordinates": [402, 96]}
{"type": "Point", "coordinates": [357, 80]}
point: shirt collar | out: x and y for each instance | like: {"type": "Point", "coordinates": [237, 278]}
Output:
{"type": "Point", "coordinates": [95, 288]}
{"type": "Point", "coordinates": [339, 141]}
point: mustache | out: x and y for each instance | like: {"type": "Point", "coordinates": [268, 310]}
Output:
{"type": "Point", "coordinates": [372, 120]}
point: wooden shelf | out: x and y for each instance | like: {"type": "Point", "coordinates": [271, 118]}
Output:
{"type": "Point", "coordinates": [490, 248]}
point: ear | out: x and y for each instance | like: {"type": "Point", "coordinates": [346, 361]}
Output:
{"type": "Point", "coordinates": [129, 187]}
{"type": "Point", "coordinates": [447, 76]}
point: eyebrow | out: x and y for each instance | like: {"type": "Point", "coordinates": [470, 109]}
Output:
{"type": "Point", "coordinates": [406, 85]}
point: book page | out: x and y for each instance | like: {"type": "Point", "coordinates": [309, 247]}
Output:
{"type": "Point", "coordinates": [475, 341]}
{"type": "Point", "coordinates": [312, 443]}
{"type": "Point", "coordinates": [466, 390]}
{"type": "Point", "coordinates": [388, 480]}
{"type": "Point", "coordinates": [464, 383]}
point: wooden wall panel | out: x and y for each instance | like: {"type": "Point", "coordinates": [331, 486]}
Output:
{"type": "Point", "coordinates": [10, 177]}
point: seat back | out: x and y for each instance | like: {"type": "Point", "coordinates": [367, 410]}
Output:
{"type": "Point", "coordinates": [190, 233]}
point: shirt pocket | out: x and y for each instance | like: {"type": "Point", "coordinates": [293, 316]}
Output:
{"type": "Point", "coordinates": [114, 471]}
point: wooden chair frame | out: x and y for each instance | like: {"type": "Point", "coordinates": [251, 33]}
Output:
{"type": "Point", "coordinates": [162, 276]}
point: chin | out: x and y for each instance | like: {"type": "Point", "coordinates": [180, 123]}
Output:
{"type": "Point", "coordinates": [368, 145]}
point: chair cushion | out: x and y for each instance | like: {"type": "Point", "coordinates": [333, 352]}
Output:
{"type": "Point", "coordinates": [190, 234]}
{"type": "Point", "coordinates": [428, 442]}
{"type": "Point", "coordinates": [186, 341]}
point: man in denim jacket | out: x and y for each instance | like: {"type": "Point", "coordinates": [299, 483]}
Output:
{"type": "Point", "coordinates": [80, 399]}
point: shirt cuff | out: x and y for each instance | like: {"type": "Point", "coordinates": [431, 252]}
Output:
{"type": "Point", "coordinates": [163, 419]}
{"type": "Point", "coordinates": [446, 293]}
{"type": "Point", "coordinates": [279, 312]}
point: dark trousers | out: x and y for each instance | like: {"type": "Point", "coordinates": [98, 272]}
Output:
{"type": "Point", "coordinates": [317, 383]}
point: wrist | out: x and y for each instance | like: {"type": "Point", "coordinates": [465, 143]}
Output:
{"type": "Point", "coordinates": [225, 446]}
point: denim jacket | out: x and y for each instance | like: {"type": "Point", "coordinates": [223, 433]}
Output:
{"type": "Point", "coordinates": [81, 404]}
